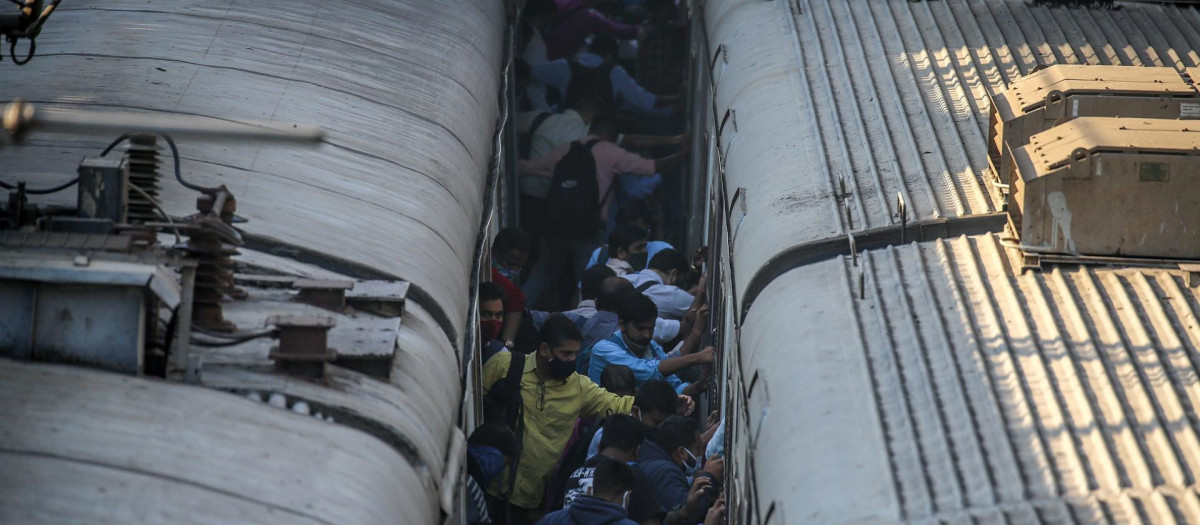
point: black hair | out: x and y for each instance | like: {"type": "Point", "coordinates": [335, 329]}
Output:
{"type": "Point", "coordinates": [623, 236]}
{"type": "Point", "coordinates": [623, 433]}
{"type": "Point", "coordinates": [540, 7]}
{"type": "Point", "coordinates": [669, 259]}
{"type": "Point", "coordinates": [618, 378]}
{"type": "Point", "coordinates": [605, 46]}
{"type": "Point", "coordinates": [637, 308]}
{"type": "Point", "coordinates": [558, 329]}
{"type": "Point", "coordinates": [491, 292]}
{"type": "Point", "coordinates": [656, 396]}
{"type": "Point", "coordinates": [612, 293]}
{"type": "Point", "coordinates": [522, 69]}
{"type": "Point", "coordinates": [634, 211]}
{"type": "Point", "coordinates": [495, 435]}
{"type": "Point", "coordinates": [511, 238]}
{"type": "Point", "coordinates": [675, 432]}
{"type": "Point", "coordinates": [603, 126]}
{"type": "Point", "coordinates": [611, 478]}
{"type": "Point", "coordinates": [589, 282]}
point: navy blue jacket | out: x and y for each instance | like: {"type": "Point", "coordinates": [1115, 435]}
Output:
{"type": "Point", "coordinates": [588, 510]}
{"type": "Point", "coordinates": [670, 485]}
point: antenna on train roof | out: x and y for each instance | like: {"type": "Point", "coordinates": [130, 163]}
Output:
{"type": "Point", "coordinates": [19, 118]}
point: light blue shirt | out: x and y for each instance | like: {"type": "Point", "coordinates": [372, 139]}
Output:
{"type": "Point", "coordinates": [630, 95]}
{"type": "Point", "coordinates": [612, 351]}
{"type": "Point", "coordinates": [652, 248]}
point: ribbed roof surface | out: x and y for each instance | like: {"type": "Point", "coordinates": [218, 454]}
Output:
{"type": "Point", "coordinates": [1066, 395]}
{"type": "Point", "coordinates": [890, 98]}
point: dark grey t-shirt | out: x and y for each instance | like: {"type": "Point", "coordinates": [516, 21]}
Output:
{"type": "Point", "coordinates": [642, 505]}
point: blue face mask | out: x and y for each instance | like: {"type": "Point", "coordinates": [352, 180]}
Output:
{"type": "Point", "coordinates": [508, 273]}
{"type": "Point", "coordinates": [489, 459]}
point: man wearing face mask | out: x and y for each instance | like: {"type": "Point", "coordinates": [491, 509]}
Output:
{"type": "Point", "coordinates": [510, 250]}
{"type": "Point", "coordinates": [491, 318]}
{"type": "Point", "coordinates": [660, 282]}
{"type": "Point", "coordinates": [633, 346]}
{"type": "Point", "coordinates": [605, 503]}
{"type": "Point", "coordinates": [667, 461]}
{"type": "Point", "coordinates": [553, 397]}
{"type": "Point", "coordinates": [626, 249]}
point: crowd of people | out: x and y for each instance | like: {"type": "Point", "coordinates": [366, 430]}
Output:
{"type": "Point", "coordinates": [592, 325]}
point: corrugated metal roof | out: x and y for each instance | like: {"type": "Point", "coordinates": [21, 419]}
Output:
{"type": "Point", "coordinates": [891, 98]}
{"type": "Point", "coordinates": [948, 388]}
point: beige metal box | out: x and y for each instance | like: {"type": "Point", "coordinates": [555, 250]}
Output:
{"type": "Point", "coordinates": [1110, 187]}
{"type": "Point", "coordinates": [1057, 94]}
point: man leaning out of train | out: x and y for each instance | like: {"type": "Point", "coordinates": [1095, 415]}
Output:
{"type": "Point", "coordinates": [551, 397]}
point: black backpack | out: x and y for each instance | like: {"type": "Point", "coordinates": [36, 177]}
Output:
{"type": "Point", "coordinates": [572, 460]}
{"type": "Point", "coordinates": [573, 203]}
{"type": "Point", "coordinates": [595, 80]}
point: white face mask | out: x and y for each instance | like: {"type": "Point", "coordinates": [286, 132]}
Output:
{"type": "Point", "coordinates": [625, 500]}
{"type": "Point", "coordinates": [691, 469]}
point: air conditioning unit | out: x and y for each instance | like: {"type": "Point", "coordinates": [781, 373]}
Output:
{"type": "Point", "coordinates": [1058, 94]}
{"type": "Point", "coordinates": [1110, 187]}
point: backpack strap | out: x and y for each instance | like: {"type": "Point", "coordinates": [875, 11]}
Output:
{"type": "Point", "coordinates": [537, 122]}
{"type": "Point", "coordinates": [512, 389]}
{"type": "Point", "coordinates": [612, 186]}
{"type": "Point", "coordinates": [644, 286]}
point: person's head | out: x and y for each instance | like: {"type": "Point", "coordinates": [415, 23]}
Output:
{"type": "Point", "coordinates": [671, 264]}
{"type": "Point", "coordinates": [497, 436]}
{"type": "Point", "coordinates": [604, 46]}
{"type": "Point", "coordinates": [490, 448]}
{"type": "Point", "coordinates": [622, 437]}
{"type": "Point", "coordinates": [678, 436]}
{"type": "Point", "coordinates": [626, 241]}
{"type": "Point", "coordinates": [636, 318]}
{"type": "Point", "coordinates": [612, 294]}
{"type": "Point", "coordinates": [540, 12]}
{"type": "Point", "coordinates": [638, 214]}
{"type": "Point", "coordinates": [619, 380]}
{"type": "Point", "coordinates": [491, 310]}
{"type": "Point", "coordinates": [510, 250]}
{"type": "Point", "coordinates": [558, 347]}
{"type": "Point", "coordinates": [590, 281]}
{"type": "Point", "coordinates": [661, 10]}
{"type": "Point", "coordinates": [590, 104]}
{"type": "Point", "coordinates": [612, 481]}
{"type": "Point", "coordinates": [655, 402]}
{"type": "Point", "coordinates": [523, 73]}
{"type": "Point", "coordinates": [604, 127]}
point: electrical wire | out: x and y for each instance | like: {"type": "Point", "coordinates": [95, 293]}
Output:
{"type": "Point", "coordinates": [174, 228]}
{"type": "Point", "coordinates": [174, 153]}
{"type": "Point", "coordinates": [42, 191]}
{"type": "Point", "coordinates": [231, 342]}
{"type": "Point", "coordinates": [12, 51]}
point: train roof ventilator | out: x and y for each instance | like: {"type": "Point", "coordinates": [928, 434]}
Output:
{"type": "Point", "coordinates": [1057, 94]}
{"type": "Point", "coordinates": [1109, 190]}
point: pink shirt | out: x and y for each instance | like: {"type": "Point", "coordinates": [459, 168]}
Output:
{"type": "Point", "coordinates": [576, 22]}
{"type": "Point", "coordinates": [611, 160]}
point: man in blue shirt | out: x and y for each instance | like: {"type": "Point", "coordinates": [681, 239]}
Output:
{"type": "Point", "coordinates": [627, 95]}
{"type": "Point", "coordinates": [633, 346]}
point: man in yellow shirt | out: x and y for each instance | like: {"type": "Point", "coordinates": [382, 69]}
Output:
{"type": "Point", "coordinates": [553, 397]}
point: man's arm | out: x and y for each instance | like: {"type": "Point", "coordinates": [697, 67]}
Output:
{"type": "Point", "coordinates": [598, 402]}
{"type": "Point", "coordinates": [670, 366]}
{"type": "Point", "coordinates": [512, 325]}
{"type": "Point", "coordinates": [606, 353]}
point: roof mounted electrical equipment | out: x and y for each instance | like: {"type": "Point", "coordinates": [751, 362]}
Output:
{"type": "Point", "coordinates": [1057, 94]}
{"type": "Point", "coordinates": [1109, 187]}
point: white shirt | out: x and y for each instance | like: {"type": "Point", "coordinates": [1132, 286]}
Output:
{"type": "Point", "coordinates": [555, 130]}
{"type": "Point", "coordinates": [673, 302]}
{"type": "Point", "coordinates": [621, 268]}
